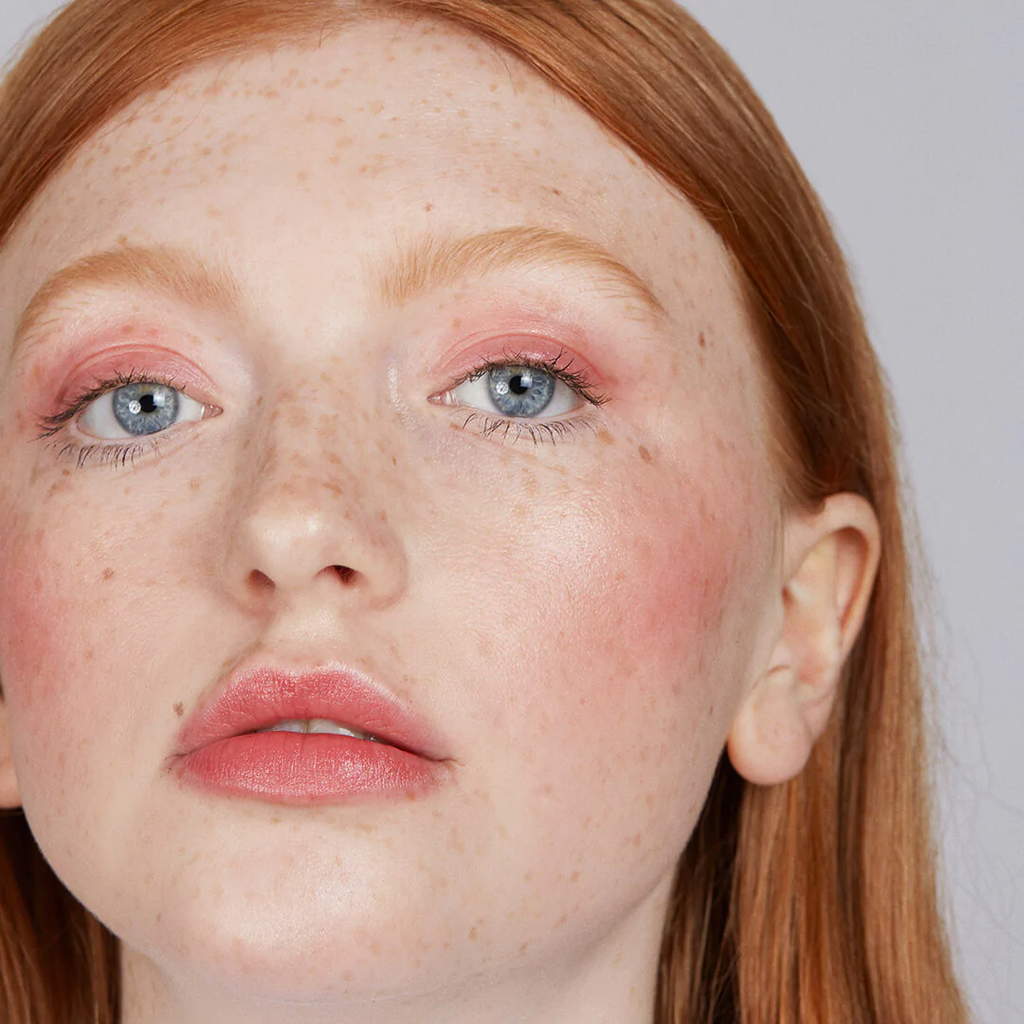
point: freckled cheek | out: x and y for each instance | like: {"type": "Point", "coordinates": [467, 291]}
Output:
{"type": "Point", "coordinates": [85, 579]}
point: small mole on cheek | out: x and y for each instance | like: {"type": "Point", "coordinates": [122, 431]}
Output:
{"type": "Point", "coordinates": [179, 708]}
{"type": "Point", "coordinates": [645, 455]}
{"type": "Point", "coordinates": [108, 574]}
{"type": "Point", "coordinates": [703, 340]}
{"type": "Point", "coordinates": [194, 484]}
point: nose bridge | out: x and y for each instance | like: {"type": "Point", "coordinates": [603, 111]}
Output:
{"type": "Point", "coordinates": [317, 506]}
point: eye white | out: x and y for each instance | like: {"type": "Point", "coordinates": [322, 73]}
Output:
{"type": "Point", "coordinates": [98, 419]}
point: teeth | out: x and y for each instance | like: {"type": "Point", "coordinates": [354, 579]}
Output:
{"type": "Point", "coordinates": [318, 725]}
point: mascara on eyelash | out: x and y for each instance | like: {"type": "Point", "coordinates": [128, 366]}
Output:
{"type": "Point", "coordinates": [117, 455]}
{"type": "Point", "coordinates": [538, 432]}
{"type": "Point", "coordinates": [51, 425]}
{"type": "Point", "coordinates": [578, 380]}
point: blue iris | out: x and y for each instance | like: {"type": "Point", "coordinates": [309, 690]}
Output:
{"type": "Point", "coordinates": [145, 408]}
{"type": "Point", "coordinates": [520, 390]}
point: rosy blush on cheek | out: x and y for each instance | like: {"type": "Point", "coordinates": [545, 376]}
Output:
{"type": "Point", "coordinates": [637, 650]}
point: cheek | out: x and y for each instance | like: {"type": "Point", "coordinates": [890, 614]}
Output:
{"type": "Point", "coordinates": [607, 639]}
{"type": "Point", "coordinates": [86, 588]}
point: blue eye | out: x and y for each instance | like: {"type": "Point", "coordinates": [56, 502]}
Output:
{"type": "Point", "coordinates": [136, 410]}
{"type": "Point", "coordinates": [517, 392]}
{"type": "Point", "coordinates": [520, 390]}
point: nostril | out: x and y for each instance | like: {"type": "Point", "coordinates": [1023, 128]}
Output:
{"type": "Point", "coordinates": [261, 581]}
{"type": "Point", "coordinates": [343, 572]}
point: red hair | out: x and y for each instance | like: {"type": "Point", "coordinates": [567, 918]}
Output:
{"type": "Point", "coordinates": [812, 901]}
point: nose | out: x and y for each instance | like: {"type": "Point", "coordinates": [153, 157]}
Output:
{"type": "Point", "coordinates": [307, 526]}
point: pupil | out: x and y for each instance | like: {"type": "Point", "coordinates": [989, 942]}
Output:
{"type": "Point", "coordinates": [520, 384]}
{"type": "Point", "coordinates": [148, 403]}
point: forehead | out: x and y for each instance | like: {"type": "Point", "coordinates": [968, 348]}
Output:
{"type": "Point", "coordinates": [333, 153]}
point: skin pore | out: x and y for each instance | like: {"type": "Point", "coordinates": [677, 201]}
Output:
{"type": "Point", "coordinates": [319, 247]}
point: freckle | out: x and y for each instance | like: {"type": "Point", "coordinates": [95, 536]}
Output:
{"type": "Point", "coordinates": [604, 437]}
{"type": "Point", "coordinates": [645, 455]}
{"type": "Point", "coordinates": [89, 654]}
{"type": "Point", "coordinates": [636, 839]}
{"type": "Point", "coordinates": [108, 574]}
{"type": "Point", "coordinates": [179, 708]}
{"type": "Point", "coordinates": [303, 177]}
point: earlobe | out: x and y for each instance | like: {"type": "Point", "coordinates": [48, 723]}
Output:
{"type": "Point", "coordinates": [10, 795]}
{"type": "Point", "coordinates": [830, 563]}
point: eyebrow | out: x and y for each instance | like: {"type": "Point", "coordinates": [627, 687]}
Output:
{"type": "Point", "coordinates": [432, 263]}
{"type": "Point", "coordinates": [427, 264]}
{"type": "Point", "coordinates": [176, 273]}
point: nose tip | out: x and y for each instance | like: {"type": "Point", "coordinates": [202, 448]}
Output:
{"type": "Point", "coordinates": [313, 532]}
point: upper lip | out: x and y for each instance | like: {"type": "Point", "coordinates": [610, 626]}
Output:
{"type": "Point", "coordinates": [255, 697]}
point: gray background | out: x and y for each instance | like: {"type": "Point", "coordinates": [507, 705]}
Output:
{"type": "Point", "coordinates": [908, 116]}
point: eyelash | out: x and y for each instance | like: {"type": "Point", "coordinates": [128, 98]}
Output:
{"type": "Point", "coordinates": [538, 432]}
{"type": "Point", "coordinates": [554, 431]}
{"type": "Point", "coordinates": [116, 454]}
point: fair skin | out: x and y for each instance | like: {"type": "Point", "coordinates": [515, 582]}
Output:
{"type": "Point", "coordinates": [587, 623]}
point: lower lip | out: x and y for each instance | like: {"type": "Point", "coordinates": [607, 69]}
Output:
{"type": "Point", "coordinates": [303, 769]}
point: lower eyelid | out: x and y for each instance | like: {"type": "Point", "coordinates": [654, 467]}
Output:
{"type": "Point", "coordinates": [510, 431]}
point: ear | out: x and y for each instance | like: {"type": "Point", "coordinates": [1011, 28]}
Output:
{"type": "Point", "coordinates": [10, 795]}
{"type": "Point", "coordinates": [830, 560]}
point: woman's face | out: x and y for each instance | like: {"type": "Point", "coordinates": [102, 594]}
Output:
{"type": "Point", "coordinates": [571, 594]}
